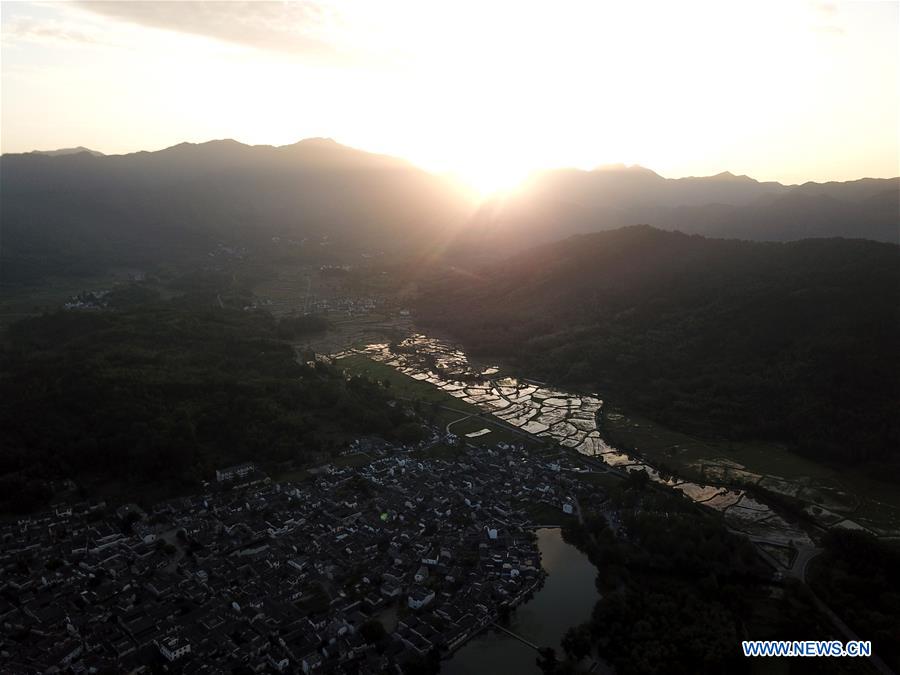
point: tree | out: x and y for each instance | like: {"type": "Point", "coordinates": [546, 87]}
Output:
{"type": "Point", "coordinates": [638, 480]}
{"type": "Point", "coordinates": [159, 394]}
{"type": "Point", "coordinates": [577, 642]}
{"type": "Point", "coordinates": [546, 660]}
{"type": "Point", "coordinates": [373, 631]}
{"type": "Point", "coordinates": [410, 432]}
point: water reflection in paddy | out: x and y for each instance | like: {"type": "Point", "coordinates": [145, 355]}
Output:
{"type": "Point", "coordinates": [568, 419]}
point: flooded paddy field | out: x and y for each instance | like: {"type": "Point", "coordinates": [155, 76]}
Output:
{"type": "Point", "coordinates": [831, 497]}
{"type": "Point", "coordinates": [577, 421]}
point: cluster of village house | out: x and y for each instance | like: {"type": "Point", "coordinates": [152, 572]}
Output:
{"type": "Point", "coordinates": [282, 577]}
{"type": "Point", "coordinates": [87, 300]}
{"type": "Point", "coordinates": [349, 304]}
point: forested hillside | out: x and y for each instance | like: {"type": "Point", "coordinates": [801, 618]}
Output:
{"type": "Point", "coordinates": [793, 342]}
{"type": "Point", "coordinates": [78, 214]}
{"type": "Point", "coordinates": [163, 393]}
{"type": "Point", "coordinates": [556, 204]}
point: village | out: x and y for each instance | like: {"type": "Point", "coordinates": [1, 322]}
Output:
{"type": "Point", "coordinates": [389, 566]}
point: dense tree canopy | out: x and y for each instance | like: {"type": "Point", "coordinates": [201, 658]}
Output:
{"type": "Point", "coordinates": [680, 591]}
{"type": "Point", "coordinates": [859, 578]}
{"type": "Point", "coordinates": [792, 342]}
{"type": "Point", "coordinates": [166, 392]}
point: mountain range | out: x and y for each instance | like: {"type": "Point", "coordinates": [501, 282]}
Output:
{"type": "Point", "coordinates": [75, 211]}
{"type": "Point", "coordinates": [72, 213]}
{"type": "Point", "coordinates": [555, 204]}
{"type": "Point", "coordinates": [781, 341]}
{"type": "Point", "coordinates": [66, 151]}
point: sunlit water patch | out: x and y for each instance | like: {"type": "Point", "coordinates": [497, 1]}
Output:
{"type": "Point", "coordinates": [568, 419]}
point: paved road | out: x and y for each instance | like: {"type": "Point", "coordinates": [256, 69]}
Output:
{"type": "Point", "coordinates": [461, 419]}
{"type": "Point", "coordinates": [848, 634]}
{"type": "Point", "coordinates": [801, 562]}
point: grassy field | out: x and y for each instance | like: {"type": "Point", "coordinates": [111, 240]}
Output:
{"type": "Point", "coordinates": [846, 493]}
{"type": "Point", "coordinates": [545, 514]}
{"type": "Point", "coordinates": [402, 385]}
{"type": "Point", "coordinates": [284, 291]}
{"type": "Point", "coordinates": [287, 287]}
{"type": "Point", "coordinates": [849, 492]}
{"type": "Point", "coordinates": [462, 417]}
{"type": "Point", "coordinates": [20, 302]}
{"type": "Point", "coordinates": [604, 480]}
{"type": "Point", "coordinates": [499, 433]}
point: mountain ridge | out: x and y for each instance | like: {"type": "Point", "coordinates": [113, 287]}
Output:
{"type": "Point", "coordinates": [79, 212]}
{"type": "Point", "coordinates": [634, 169]}
{"type": "Point", "coordinates": [784, 341]}
{"type": "Point", "coordinates": [558, 203]}
{"type": "Point", "coordinates": [65, 151]}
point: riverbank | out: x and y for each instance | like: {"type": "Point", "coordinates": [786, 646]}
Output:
{"type": "Point", "coordinates": [565, 597]}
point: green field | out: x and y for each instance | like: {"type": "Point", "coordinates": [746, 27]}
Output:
{"type": "Point", "coordinates": [402, 386]}
{"type": "Point", "coordinates": [19, 302]}
{"type": "Point", "coordinates": [499, 433]}
{"type": "Point", "coordinates": [545, 514]}
{"type": "Point", "coordinates": [606, 479]}
{"type": "Point", "coordinates": [844, 491]}
{"type": "Point", "coordinates": [462, 417]}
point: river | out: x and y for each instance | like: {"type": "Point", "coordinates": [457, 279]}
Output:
{"type": "Point", "coordinates": [566, 599]}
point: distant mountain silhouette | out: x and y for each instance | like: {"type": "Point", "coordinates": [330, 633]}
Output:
{"type": "Point", "coordinates": [559, 203]}
{"type": "Point", "coordinates": [791, 341]}
{"type": "Point", "coordinates": [75, 213]}
{"type": "Point", "coordinates": [66, 151]}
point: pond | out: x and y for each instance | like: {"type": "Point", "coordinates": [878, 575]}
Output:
{"type": "Point", "coordinates": [566, 599]}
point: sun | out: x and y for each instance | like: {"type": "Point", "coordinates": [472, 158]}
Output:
{"type": "Point", "coordinates": [479, 158]}
{"type": "Point", "coordinates": [488, 177]}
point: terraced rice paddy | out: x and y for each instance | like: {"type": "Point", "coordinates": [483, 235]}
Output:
{"type": "Point", "coordinates": [568, 419]}
{"type": "Point", "coordinates": [831, 496]}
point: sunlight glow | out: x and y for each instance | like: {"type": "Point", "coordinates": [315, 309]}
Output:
{"type": "Point", "coordinates": [485, 91]}
{"type": "Point", "coordinates": [488, 180]}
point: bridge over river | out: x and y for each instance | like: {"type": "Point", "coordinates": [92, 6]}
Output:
{"type": "Point", "coordinates": [518, 637]}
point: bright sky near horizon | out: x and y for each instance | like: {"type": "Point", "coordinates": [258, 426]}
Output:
{"type": "Point", "coordinates": [788, 91]}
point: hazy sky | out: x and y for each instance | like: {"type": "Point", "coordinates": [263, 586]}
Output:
{"type": "Point", "coordinates": [791, 91]}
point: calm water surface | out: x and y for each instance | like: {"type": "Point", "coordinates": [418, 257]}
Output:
{"type": "Point", "coordinates": [567, 599]}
